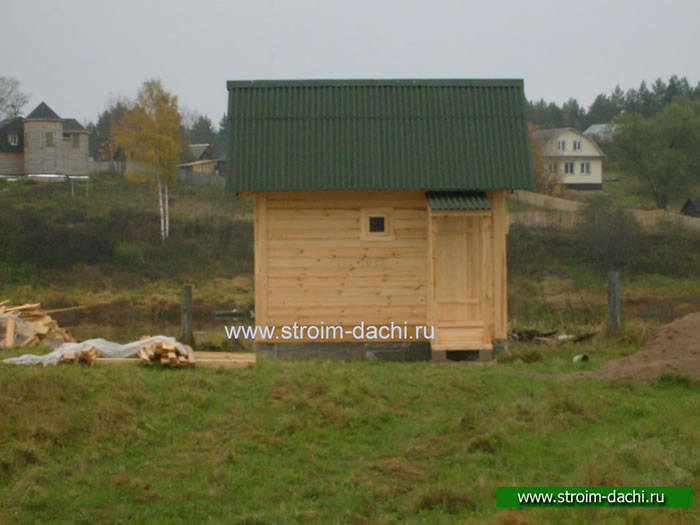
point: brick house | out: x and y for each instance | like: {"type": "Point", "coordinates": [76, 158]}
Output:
{"type": "Point", "coordinates": [43, 142]}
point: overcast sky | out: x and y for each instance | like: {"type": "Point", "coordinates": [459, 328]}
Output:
{"type": "Point", "coordinates": [75, 55]}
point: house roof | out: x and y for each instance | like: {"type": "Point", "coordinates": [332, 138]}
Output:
{"type": "Point", "coordinates": [458, 200]}
{"type": "Point", "coordinates": [604, 131]}
{"type": "Point", "coordinates": [7, 122]}
{"type": "Point", "coordinates": [198, 149]}
{"type": "Point", "coordinates": [378, 134]}
{"type": "Point", "coordinates": [196, 163]}
{"type": "Point", "coordinates": [543, 136]}
{"type": "Point", "coordinates": [70, 125]}
{"type": "Point", "coordinates": [43, 112]}
{"type": "Point", "coordinates": [11, 126]}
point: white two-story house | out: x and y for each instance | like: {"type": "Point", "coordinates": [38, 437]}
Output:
{"type": "Point", "coordinates": [574, 158]}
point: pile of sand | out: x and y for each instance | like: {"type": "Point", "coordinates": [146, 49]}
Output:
{"type": "Point", "coordinates": [674, 348]}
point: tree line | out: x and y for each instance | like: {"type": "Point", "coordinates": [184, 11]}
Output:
{"type": "Point", "coordinates": [647, 101]}
{"type": "Point", "coordinates": [194, 129]}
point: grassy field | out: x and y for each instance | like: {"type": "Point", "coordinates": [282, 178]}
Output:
{"type": "Point", "coordinates": [322, 442]}
{"type": "Point", "coordinates": [106, 248]}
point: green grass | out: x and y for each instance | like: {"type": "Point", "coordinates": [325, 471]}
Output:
{"type": "Point", "coordinates": [322, 442]}
{"type": "Point", "coordinates": [106, 247]}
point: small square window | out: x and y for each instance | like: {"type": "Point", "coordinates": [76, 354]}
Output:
{"type": "Point", "coordinates": [13, 139]}
{"type": "Point", "coordinates": [377, 224]}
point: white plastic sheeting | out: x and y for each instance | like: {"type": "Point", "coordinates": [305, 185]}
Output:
{"type": "Point", "coordinates": [104, 349]}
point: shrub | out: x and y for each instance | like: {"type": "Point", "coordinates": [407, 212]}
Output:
{"type": "Point", "coordinates": [609, 236]}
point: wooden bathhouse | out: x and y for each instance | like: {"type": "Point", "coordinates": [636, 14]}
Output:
{"type": "Point", "coordinates": [380, 203]}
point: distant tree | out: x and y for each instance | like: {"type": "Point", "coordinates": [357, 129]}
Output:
{"type": "Point", "coordinates": [102, 144]}
{"type": "Point", "coordinates": [545, 115]}
{"type": "Point", "coordinates": [602, 110]}
{"type": "Point", "coordinates": [545, 181]}
{"type": "Point", "coordinates": [658, 90]}
{"type": "Point", "coordinates": [222, 133]}
{"type": "Point", "coordinates": [662, 152]}
{"type": "Point", "coordinates": [150, 134]}
{"type": "Point", "coordinates": [202, 131]}
{"type": "Point", "coordinates": [12, 98]}
{"type": "Point", "coordinates": [608, 234]}
{"type": "Point", "coordinates": [617, 98]}
{"type": "Point", "coordinates": [645, 101]}
{"type": "Point", "coordinates": [573, 114]}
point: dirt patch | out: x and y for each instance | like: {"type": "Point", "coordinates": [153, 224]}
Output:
{"type": "Point", "coordinates": [674, 348]}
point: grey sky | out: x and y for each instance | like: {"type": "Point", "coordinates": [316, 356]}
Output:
{"type": "Point", "coordinates": [76, 54]}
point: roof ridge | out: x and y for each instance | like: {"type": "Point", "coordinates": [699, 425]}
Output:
{"type": "Point", "coordinates": [43, 112]}
{"type": "Point", "coordinates": [368, 82]}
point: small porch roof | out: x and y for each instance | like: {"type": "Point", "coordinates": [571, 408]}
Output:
{"type": "Point", "coordinates": [458, 200]}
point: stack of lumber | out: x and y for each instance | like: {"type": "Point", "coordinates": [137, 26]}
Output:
{"type": "Point", "coordinates": [33, 328]}
{"type": "Point", "coordinates": [87, 356]}
{"type": "Point", "coordinates": [166, 354]}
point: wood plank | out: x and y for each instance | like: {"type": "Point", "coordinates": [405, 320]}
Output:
{"type": "Point", "coordinates": [15, 309]}
{"type": "Point", "coordinates": [500, 220]}
{"type": "Point", "coordinates": [378, 272]}
{"type": "Point", "coordinates": [461, 346]}
{"type": "Point", "coordinates": [190, 355]}
{"type": "Point", "coordinates": [224, 364]}
{"type": "Point", "coordinates": [417, 249]}
{"type": "Point", "coordinates": [367, 301]}
{"type": "Point", "coordinates": [9, 332]}
{"type": "Point", "coordinates": [388, 290]}
{"type": "Point", "coordinates": [261, 256]}
{"type": "Point", "coordinates": [229, 356]}
{"type": "Point", "coordinates": [344, 264]}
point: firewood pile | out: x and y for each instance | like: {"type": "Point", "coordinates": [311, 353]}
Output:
{"type": "Point", "coordinates": [165, 354]}
{"type": "Point", "coordinates": [28, 324]}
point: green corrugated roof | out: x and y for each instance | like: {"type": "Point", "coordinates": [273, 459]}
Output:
{"type": "Point", "coordinates": [377, 135]}
{"type": "Point", "coordinates": [458, 200]}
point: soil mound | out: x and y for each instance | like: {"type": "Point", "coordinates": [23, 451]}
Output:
{"type": "Point", "coordinates": [674, 348]}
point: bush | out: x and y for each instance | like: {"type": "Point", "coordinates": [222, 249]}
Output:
{"type": "Point", "coordinates": [609, 236]}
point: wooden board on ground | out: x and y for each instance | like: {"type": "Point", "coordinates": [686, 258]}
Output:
{"type": "Point", "coordinates": [225, 359]}
{"type": "Point", "coordinates": [207, 359]}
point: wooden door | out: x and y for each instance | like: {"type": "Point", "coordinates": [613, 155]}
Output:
{"type": "Point", "coordinates": [461, 281]}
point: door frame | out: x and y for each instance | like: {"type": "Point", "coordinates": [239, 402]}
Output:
{"type": "Point", "coordinates": [487, 259]}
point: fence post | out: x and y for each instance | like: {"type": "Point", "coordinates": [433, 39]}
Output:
{"type": "Point", "coordinates": [186, 314]}
{"type": "Point", "coordinates": [613, 302]}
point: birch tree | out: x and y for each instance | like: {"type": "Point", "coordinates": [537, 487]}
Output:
{"type": "Point", "coordinates": [149, 133]}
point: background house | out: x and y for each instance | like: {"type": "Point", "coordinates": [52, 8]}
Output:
{"type": "Point", "coordinates": [574, 158]}
{"type": "Point", "coordinates": [379, 202]}
{"type": "Point", "coordinates": [601, 132]}
{"type": "Point", "coordinates": [43, 142]}
{"type": "Point", "coordinates": [206, 167]}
